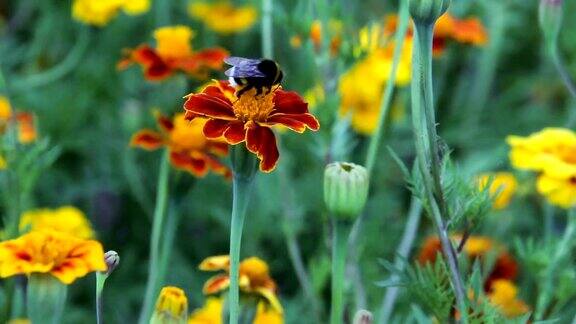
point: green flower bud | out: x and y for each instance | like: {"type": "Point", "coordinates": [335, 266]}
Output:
{"type": "Point", "coordinates": [427, 11]}
{"type": "Point", "coordinates": [550, 17]}
{"type": "Point", "coordinates": [345, 189]}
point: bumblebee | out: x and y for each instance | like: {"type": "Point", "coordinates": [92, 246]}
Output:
{"type": "Point", "coordinates": [253, 74]}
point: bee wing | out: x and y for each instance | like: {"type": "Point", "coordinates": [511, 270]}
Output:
{"type": "Point", "coordinates": [243, 68]}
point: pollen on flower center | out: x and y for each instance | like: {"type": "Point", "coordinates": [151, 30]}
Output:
{"type": "Point", "coordinates": [252, 107]}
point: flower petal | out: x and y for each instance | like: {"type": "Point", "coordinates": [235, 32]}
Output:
{"type": "Point", "coordinates": [297, 123]}
{"type": "Point", "coordinates": [147, 139]}
{"type": "Point", "coordinates": [218, 148]}
{"type": "Point", "coordinates": [164, 122]}
{"type": "Point", "coordinates": [289, 102]}
{"type": "Point", "coordinates": [215, 128]}
{"type": "Point", "coordinates": [209, 106]}
{"type": "Point", "coordinates": [215, 263]}
{"type": "Point", "coordinates": [235, 133]}
{"type": "Point", "coordinates": [184, 161]}
{"type": "Point", "coordinates": [261, 141]}
{"type": "Point", "coordinates": [216, 284]}
{"type": "Point", "coordinates": [271, 297]}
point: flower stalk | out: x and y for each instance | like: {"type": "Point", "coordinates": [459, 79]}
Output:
{"type": "Point", "coordinates": [424, 15]}
{"type": "Point", "coordinates": [244, 166]}
{"type": "Point", "coordinates": [158, 221]}
{"type": "Point", "coordinates": [46, 298]}
{"type": "Point", "coordinates": [339, 246]}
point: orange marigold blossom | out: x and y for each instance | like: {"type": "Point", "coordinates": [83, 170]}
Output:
{"type": "Point", "coordinates": [250, 118]}
{"type": "Point", "coordinates": [173, 53]}
{"type": "Point", "coordinates": [466, 31]}
{"type": "Point", "coordinates": [63, 256]}
{"type": "Point", "coordinates": [189, 149]}
{"type": "Point", "coordinates": [23, 121]}
{"type": "Point", "coordinates": [476, 247]}
{"type": "Point", "coordinates": [211, 313]}
{"type": "Point", "coordinates": [254, 278]}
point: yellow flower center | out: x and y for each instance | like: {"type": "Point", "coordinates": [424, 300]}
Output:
{"type": "Point", "coordinates": [252, 107]}
{"type": "Point", "coordinates": [255, 269]}
{"type": "Point", "coordinates": [187, 135]}
{"type": "Point", "coordinates": [173, 42]}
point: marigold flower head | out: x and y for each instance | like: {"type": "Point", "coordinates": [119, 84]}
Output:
{"type": "Point", "coordinates": [223, 17]}
{"type": "Point", "coordinates": [63, 256]}
{"type": "Point", "coordinates": [505, 267]}
{"type": "Point", "coordinates": [504, 295]}
{"type": "Point", "coordinates": [23, 121]}
{"type": "Point", "coordinates": [362, 86]}
{"type": "Point", "coordinates": [254, 279]}
{"type": "Point", "coordinates": [250, 118]}
{"type": "Point", "coordinates": [189, 149]}
{"type": "Point", "coordinates": [211, 313]}
{"type": "Point", "coordinates": [101, 12]}
{"type": "Point", "coordinates": [503, 185]}
{"type": "Point", "coordinates": [316, 34]}
{"type": "Point", "coordinates": [552, 152]}
{"type": "Point", "coordinates": [171, 306]}
{"type": "Point", "coordinates": [173, 53]}
{"type": "Point", "coordinates": [67, 219]}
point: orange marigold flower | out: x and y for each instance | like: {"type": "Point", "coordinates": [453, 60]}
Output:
{"type": "Point", "coordinates": [63, 256]}
{"type": "Point", "coordinates": [254, 278]}
{"type": "Point", "coordinates": [250, 118]}
{"type": "Point", "coordinates": [189, 149]}
{"type": "Point", "coordinates": [504, 295]}
{"type": "Point", "coordinates": [173, 53]}
{"type": "Point", "coordinates": [23, 121]}
{"type": "Point", "coordinates": [505, 267]}
{"type": "Point", "coordinates": [211, 313]}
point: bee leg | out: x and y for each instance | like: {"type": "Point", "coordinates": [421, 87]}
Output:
{"type": "Point", "coordinates": [258, 91]}
{"type": "Point", "coordinates": [240, 92]}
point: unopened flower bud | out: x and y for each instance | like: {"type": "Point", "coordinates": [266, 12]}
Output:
{"type": "Point", "coordinates": [171, 307]}
{"type": "Point", "coordinates": [427, 11]}
{"type": "Point", "coordinates": [112, 260]}
{"type": "Point", "coordinates": [550, 17]}
{"type": "Point", "coordinates": [363, 317]}
{"type": "Point", "coordinates": [345, 189]}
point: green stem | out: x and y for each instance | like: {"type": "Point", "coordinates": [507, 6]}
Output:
{"type": "Point", "coordinates": [154, 279]}
{"type": "Point", "coordinates": [242, 189]}
{"type": "Point", "coordinates": [339, 247]}
{"type": "Point", "coordinates": [267, 29]}
{"type": "Point", "coordinates": [562, 70]}
{"type": "Point", "coordinates": [46, 298]}
{"type": "Point", "coordinates": [403, 252]}
{"type": "Point", "coordinates": [562, 250]}
{"type": "Point", "coordinates": [100, 279]}
{"type": "Point", "coordinates": [400, 36]}
{"type": "Point", "coordinates": [58, 71]}
{"type": "Point", "coordinates": [427, 151]}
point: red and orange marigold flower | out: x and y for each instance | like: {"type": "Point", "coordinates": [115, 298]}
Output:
{"type": "Point", "coordinates": [189, 149]}
{"type": "Point", "coordinates": [254, 279]}
{"type": "Point", "coordinates": [61, 255]}
{"type": "Point", "coordinates": [173, 53]}
{"type": "Point", "coordinates": [249, 118]}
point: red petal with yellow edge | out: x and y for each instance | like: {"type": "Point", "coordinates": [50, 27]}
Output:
{"type": "Point", "coordinates": [289, 102]}
{"type": "Point", "coordinates": [297, 123]}
{"type": "Point", "coordinates": [271, 298]}
{"type": "Point", "coordinates": [164, 122]}
{"type": "Point", "coordinates": [216, 284]}
{"type": "Point", "coordinates": [215, 263]}
{"type": "Point", "coordinates": [209, 106]}
{"type": "Point", "coordinates": [184, 161]}
{"type": "Point", "coordinates": [214, 128]}
{"type": "Point", "coordinates": [235, 133]}
{"type": "Point", "coordinates": [147, 139]}
{"type": "Point", "coordinates": [261, 141]}
{"type": "Point", "coordinates": [219, 90]}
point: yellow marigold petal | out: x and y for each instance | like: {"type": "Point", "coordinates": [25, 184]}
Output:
{"type": "Point", "coordinates": [216, 284]}
{"type": "Point", "coordinates": [271, 298]}
{"type": "Point", "coordinates": [66, 219]}
{"type": "Point", "coordinates": [267, 315]}
{"type": "Point", "coordinates": [502, 187]}
{"type": "Point", "coordinates": [136, 7]}
{"type": "Point", "coordinates": [503, 295]}
{"type": "Point", "coordinates": [559, 191]}
{"type": "Point", "coordinates": [215, 263]}
{"type": "Point", "coordinates": [222, 17]}
{"type": "Point", "coordinates": [173, 42]}
{"type": "Point", "coordinates": [210, 313]}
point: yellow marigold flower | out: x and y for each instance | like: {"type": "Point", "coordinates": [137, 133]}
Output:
{"type": "Point", "coordinates": [66, 219]}
{"type": "Point", "coordinates": [3, 163]}
{"type": "Point", "coordinates": [101, 12]}
{"type": "Point", "coordinates": [5, 109]}
{"type": "Point", "coordinates": [211, 313]}
{"type": "Point", "coordinates": [503, 295]}
{"type": "Point", "coordinates": [19, 321]}
{"type": "Point", "coordinates": [63, 256]}
{"type": "Point", "coordinates": [503, 185]}
{"type": "Point", "coordinates": [254, 279]}
{"type": "Point", "coordinates": [315, 95]}
{"type": "Point", "coordinates": [173, 42]}
{"type": "Point", "coordinates": [223, 17]}
{"type": "Point", "coordinates": [171, 306]}
{"type": "Point", "coordinates": [552, 151]}
{"type": "Point", "coordinates": [362, 86]}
